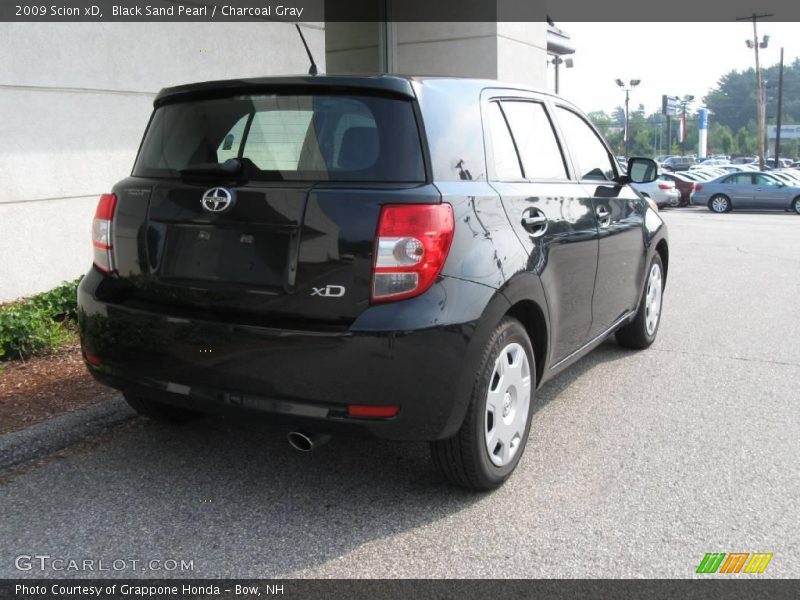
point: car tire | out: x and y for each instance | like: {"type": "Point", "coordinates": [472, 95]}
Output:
{"type": "Point", "coordinates": [498, 417]}
{"type": "Point", "coordinates": [796, 205]}
{"type": "Point", "coordinates": [158, 411]}
{"type": "Point", "coordinates": [719, 203]}
{"type": "Point", "coordinates": [641, 332]}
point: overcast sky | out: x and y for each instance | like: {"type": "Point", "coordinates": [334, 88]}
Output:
{"type": "Point", "coordinates": [669, 58]}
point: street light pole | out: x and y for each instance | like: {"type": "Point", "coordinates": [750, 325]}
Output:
{"type": "Point", "coordinates": [557, 62]}
{"type": "Point", "coordinates": [778, 116]}
{"type": "Point", "coordinates": [627, 122]}
{"type": "Point", "coordinates": [685, 101]}
{"type": "Point", "coordinates": [632, 84]}
{"type": "Point", "coordinates": [762, 114]}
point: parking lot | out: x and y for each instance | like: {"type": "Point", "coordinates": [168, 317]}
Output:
{"type": "Point", "coordinates": [638, 463]}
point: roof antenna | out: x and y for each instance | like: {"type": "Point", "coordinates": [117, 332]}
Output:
{"type": "Point", "coordinates": [312, 70]}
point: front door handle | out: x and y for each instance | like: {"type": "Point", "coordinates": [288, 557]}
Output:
{"type": "Point", "coordinates": [534, 222]}
{"type": "Point", "coordinates": [603, 216]}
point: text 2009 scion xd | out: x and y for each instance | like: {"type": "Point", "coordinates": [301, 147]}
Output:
{"type": "Point", "coordinates": [404, 258]}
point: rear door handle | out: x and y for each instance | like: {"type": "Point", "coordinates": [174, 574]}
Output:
{"type": "Point", "coordinates": [534, 222]}
{"type": "Point", "coordinates": [603, 216]}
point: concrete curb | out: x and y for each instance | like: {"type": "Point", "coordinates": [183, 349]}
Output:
{"type": "Point", "coordinates": [55, 434]}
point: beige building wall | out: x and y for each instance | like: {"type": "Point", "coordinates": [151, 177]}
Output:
{"type": "Point", "coordinates": [74, 101]}
{"type": "Point", "coordinates": [511, 52]}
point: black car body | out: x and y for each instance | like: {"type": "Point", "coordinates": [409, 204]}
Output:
{"type": "Point", "coordinates": [276, 305]}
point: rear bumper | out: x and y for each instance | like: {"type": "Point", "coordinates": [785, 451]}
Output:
{"type": "Point", "coordinates": [413, 354]}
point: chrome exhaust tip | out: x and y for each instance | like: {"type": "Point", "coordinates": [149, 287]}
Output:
{"type": "Point", "coordinates": [306, 442]}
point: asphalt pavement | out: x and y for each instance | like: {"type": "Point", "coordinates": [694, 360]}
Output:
{"type": "Point", "coordinates": [638, 463]}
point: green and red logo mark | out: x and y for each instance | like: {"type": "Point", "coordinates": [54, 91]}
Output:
{"type": "Point", "coordinates": [735, 562]}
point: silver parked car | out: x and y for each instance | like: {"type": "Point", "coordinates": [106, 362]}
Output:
{"type": "Point", "coordinates": [747, 190]}
{"type": "Point", "coordinates": [662, 191]}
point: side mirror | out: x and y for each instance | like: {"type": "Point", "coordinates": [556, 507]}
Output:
{"type": "Point", "coordinates": [642, 170]}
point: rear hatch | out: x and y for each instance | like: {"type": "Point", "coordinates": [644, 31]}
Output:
{"type": "Point", "coordinates": [264, 206]}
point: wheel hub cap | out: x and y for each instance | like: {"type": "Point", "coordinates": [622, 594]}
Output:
{"type": "Point", "coordinates": [507, 404]}
{"type": "Point", "coordinates": [653, 299]}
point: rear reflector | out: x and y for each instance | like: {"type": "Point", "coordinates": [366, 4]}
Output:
{"type": "Point", "coordinates": [101, 233]}
{"type": "Point", "coordinates": [411, 248]}
{"type": "Point", "coordinates": [92, 359]}
{"type": "Point", "coordinates": [375, 412]}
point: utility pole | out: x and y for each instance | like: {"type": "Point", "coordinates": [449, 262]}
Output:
{"type": "Point", "coordinates": [778, 116]}
{"type": "Point", "coordinates": [762, 115]}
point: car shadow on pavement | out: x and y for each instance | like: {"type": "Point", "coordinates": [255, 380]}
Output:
{"type": "Point", "coordinates": [235, 498]}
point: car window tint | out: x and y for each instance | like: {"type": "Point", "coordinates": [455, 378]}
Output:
{"type": "Point", "coordinates": [277, 137]}
{"type": "Point", "coordinates": [589, 154]}
{"type": "Point", "coordinates": [318, 137]}
{"type": "Point", "coordinates": [739, 179]}
{"type": "Point", "coordinates": [506, 161]}
{"type": "Point", "coordinates": [538, 147]}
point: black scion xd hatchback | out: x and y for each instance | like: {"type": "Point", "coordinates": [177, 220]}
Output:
{"type": "Point", "coordinates": [404, 258]}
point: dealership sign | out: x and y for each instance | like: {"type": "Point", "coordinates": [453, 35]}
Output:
{"type": "Point", "coordinates": [788, 132]}
{"type": "Point", "coordinates": [670, 106]}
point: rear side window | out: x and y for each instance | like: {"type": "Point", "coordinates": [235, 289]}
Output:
{"type": "Point", "coordinates": [589, 154]}
{"type": "Point", "coordinates": [740, 179]}
{"type": "Point", "coordinates": [506, 160]}
{"type": "Point", "coordinates": [287, 137]}
{"type": "Point", "coordinates": [536, 141]}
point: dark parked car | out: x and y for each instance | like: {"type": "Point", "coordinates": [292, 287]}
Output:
{"type": "Point", "coordinates": [403, 258]}
{"type": "Point", "coordinates": [678, 163]}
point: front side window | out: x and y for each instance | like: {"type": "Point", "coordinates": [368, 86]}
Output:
{"type": "Point", "coordinates": [287, 137]}
{"type": "Point", "coordinates": [589, 155]}
{"type": "Point", "coordinates": [538, 147]}
{"type": "Point", "coordinates": [762, 179]}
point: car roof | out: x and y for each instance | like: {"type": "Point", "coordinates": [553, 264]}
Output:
{"type": "Point", "coordinates": [398, 85]}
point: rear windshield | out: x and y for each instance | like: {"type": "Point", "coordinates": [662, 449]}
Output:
{"type": "Point", "coordinates": [284, 137]}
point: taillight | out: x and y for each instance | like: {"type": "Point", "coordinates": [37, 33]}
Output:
{"type": "Point", "coordinates": [697, 187]}
{"type": "Point", "coordinates": [412, 245]}
{"type": "Point", "coordinates": [101, 233]}
{"type": "Point", "coordinates": [664, 186]}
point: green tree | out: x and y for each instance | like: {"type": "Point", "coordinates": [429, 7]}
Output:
{"type": "Point", "coordinates": [720, 139]}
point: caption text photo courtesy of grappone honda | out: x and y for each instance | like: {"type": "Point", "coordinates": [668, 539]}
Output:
{"type": "Point", "coordinates": [402, 258]}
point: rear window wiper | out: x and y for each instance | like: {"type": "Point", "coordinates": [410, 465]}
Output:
{"type": "Point", "coordinates": [229, 168]}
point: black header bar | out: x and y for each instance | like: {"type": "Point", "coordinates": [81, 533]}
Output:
{"type": "Point", "coordinates": [296, 11]}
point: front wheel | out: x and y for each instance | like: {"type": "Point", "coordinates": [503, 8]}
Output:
{"type": "Point", "coordinates": [642, 331]}
{"type": "Point", "coordinates": [719, 203]}
{"type": "Point", "coordinates": [492, 438]}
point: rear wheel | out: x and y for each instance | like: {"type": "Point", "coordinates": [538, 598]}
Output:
{"type": "Point", "coordinates": [796, 205]}
{"type": "Point", "coordinates": [642, 331]}
{"type": "Point", "coordinates": [719, 203]}
{"type": "Point", "coordinates": [492, 438]}
{"type": "Point", "coordinates": [158, 411]}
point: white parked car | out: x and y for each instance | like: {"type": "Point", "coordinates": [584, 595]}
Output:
{"type": "Point", "coordinates": [661, 191]}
